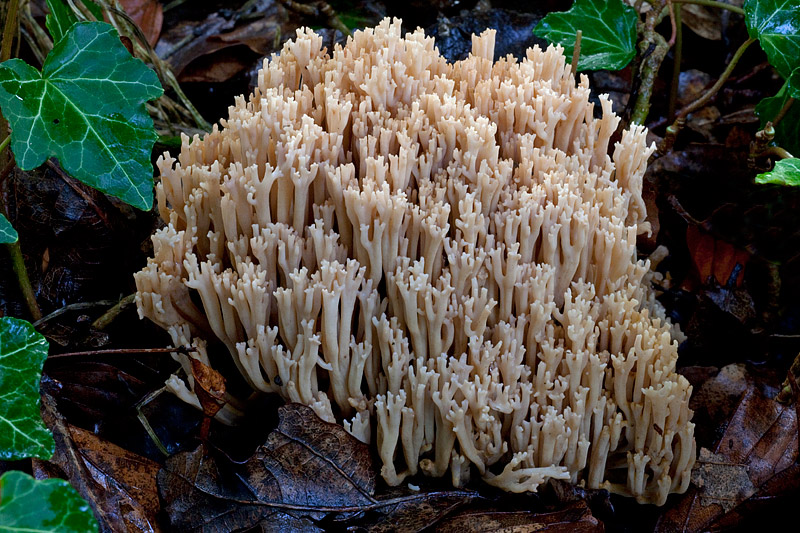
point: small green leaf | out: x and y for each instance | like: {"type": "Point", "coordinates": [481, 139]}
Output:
{"type": "Point", "coordinates": [33, 506]}
{"type": "Point", "coordinates": [7, 232]}
{"type": "Point", "coordinates": [62, 17]}
{"type": "Point", "coordinates": [609, 32]}
{"type": "Point", "coordinates": [786, 172]}
{"type": "Point", "coordinates": [22, 353]}
{"type": "Point", "coordinates": [776, 25]}
{"type": "Point", "coordinates": [87, 109]}
{"type": "Point", "coordinates": [787, 131]}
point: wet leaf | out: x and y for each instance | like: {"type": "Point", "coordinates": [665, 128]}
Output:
{"type": "Point", "coordinates": [86, 107]}
{"type": "Point", "coordinates": [209, 385]}
{"type": "Point", "coordinates": [754, 457]}
{"type": "Point", "coordinates": [22, 353]}
{"type": "Point", "coordinates": [29, 505]}
{"type": "Point", "coordinates": [7, 232]}
{"type": "Point", "coordinates": [609, 32]}
{"type": "Point", "coordinates": [776, 25]}
{"type": "Point", "coordinates": [119, 485]}
{"type": "Point", "coordinates": [786, 172]}
{"type": "Point", "coordinates": [306, 468]}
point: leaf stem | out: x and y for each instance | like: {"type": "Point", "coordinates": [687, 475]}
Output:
{"type": "Point", "coordinates": [5, 142]}
{"type": "Point", "coordinates": [782, 113]}
{"type": "Point", "coordinates": [712, 3]}
{"type": "Point", "coordinates": [18, 263]}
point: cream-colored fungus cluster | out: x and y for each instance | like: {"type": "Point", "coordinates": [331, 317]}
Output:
{"type": "Point", "coordinates": [439, 256]}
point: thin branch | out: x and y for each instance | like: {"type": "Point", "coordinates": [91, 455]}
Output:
{"type": "Point", "coordinates": [123, 351]}
{"type": "Point", "coordinates": [677, 56]}
{"type": "Point", "coordinates": [680, 120]}
{"type": "Point", "coordinates": [109, 316]}
{"type": "Point", "coordinates": [72, 307]}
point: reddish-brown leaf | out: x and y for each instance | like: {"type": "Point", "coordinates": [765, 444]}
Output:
{"type": "Point", "coordinates": [148, 15]}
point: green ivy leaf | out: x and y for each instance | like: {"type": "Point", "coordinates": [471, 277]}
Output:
{"type": "Point", "coordinates": [776, 25]}
{"type": "Point", "coordinates": [609, 32]}
{"type": "Point", "coordinates": [786, 172]}
{"type": "Point", "coordinates": [50, 505]}
{"type": "Point", "coordinates": [7, 232]}
{"type": "Point", "coordinates": [22, 354]}
{"type": "Point", "coordinates": [61, 17]}
{"type": "Point", "coordinates": [787, 131]}
{"type": "Point", "coordinates": [87, 109]}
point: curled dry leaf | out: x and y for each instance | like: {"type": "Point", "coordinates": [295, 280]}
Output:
{"type": "Point", "coordinates": [119, 485]}
{"type": "Point", "coordinates": [209, 385]}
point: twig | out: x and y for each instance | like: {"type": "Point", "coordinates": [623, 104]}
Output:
{"type": "Point", "coordinates": [680, 120]}
{"type": "Point", "coordinates": [123, 351]}
{"type": "Point", "coordinates": [72, 307]}
{"type": "Point", "coordinates": [109, 316]}
{"type": "Point", "coordinates": [146, 423]}
{"type": "Point", "coordinates": [653, 49]}
{"type": "Point", "coordinates": [576, 53]}
{"type": "Point", "coordinates": [9, 30]}
{"type": "Point", "coordinates": [673, 22]}
{"type": "Point", "coordinates": [712, 3]}
{"type": "Point", "coordinates": [677, 56]}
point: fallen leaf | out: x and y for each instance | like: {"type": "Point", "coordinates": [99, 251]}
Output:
{"type": "Point", "coordinates": [576, 517]}
{"type": "Point", "coordinates": [148, 15]}
{"type": "Point", "coordinates": [119, 485]}
{"type": "Point", "coordinates": [754, 460]}
{"type": "Point", "coordinates": [704, 21]}
{"type": "Point", "coordinates": [307, 468]}
{"type": "Point", "coordinates": [209, 386]}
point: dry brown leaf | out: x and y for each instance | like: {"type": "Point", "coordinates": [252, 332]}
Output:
{"type": "Point", "coordinates": [754, 461]}
{"type": "Point", "coordinates": [119, 485]}
{"type": "Point", "coordinates": [704, 21]}
{"type": "Point", "coordinates": [576, 517]}
{"type": "Point", "coordinates": [209, 386]}
{"type": "Point", "coordinates": [148, 15]}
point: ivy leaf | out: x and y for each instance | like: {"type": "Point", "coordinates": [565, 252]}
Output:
{"type": "Point", "coordinates": [776, 25]}
{"type": "Point", "coordinates": [61, 17]}
{"type": "Point", "coordinates": [7, 232]}
{"type": "Point", "coordinates": [51, 505]}
{"type": "Point", "coordinates": [787, 131]}
{"type": "Point", "coordinates": [22, 354]}
{"type": "Point", "coordinates": [786, 172]}
{"type": "Point", "coordinates": [609, 32]}
{"type": "Point", "coordinates": [86, 108]}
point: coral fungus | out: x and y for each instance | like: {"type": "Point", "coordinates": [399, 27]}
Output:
{"type": "Point", "coordinates": [441, 257]}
